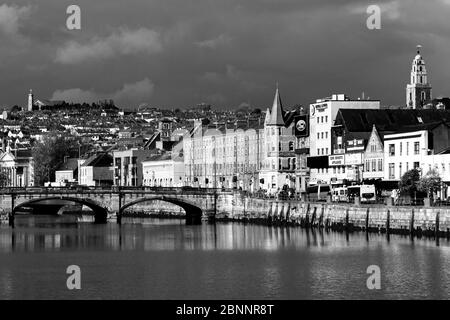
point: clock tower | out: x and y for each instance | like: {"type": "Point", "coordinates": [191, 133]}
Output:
{"type": "Point", "coordinates": [418, 91]}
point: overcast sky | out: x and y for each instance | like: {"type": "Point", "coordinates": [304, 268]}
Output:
{"type": "Point", "coordinates": [175, 53]}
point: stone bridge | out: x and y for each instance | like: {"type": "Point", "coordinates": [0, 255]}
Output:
{"type": "Point", "coordinates": [197, 203]}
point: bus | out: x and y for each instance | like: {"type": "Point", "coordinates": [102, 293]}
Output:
{"type": "Point", "coordinates": [340, 194]}
{"type": "Point", "coordinates": [366, 192]}
{"type": "Point", "coordinates": [318, 192]}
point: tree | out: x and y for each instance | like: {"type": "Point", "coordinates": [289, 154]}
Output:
{"type": "Point", "coordinates": [408, 185]}
{"type": "Point", "coordinates": [48, 155]}
{"type": "Point", "coordinates": [430, 183]}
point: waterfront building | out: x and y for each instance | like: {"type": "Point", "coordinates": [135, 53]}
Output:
{"type": "Point", "coordinates": [97, 170]}
{"type": "Point", "coordinates": [245, 154]}
{"type": "Point", "coordinates": [67, 172]}
{"type": "Point", "coordinates": [373, 157]}
{"type": "Point", "coordinates": [223, 156]}
{"type": "Point", "coordinates": [17, 167]}
{"type": "Point", "coordinates": [358, 139]}
{"type": "Point", "coordinates": [279, 158]}
{"type": "Point", "coordinates": [323, 168]}
{"type": "Point", "coordinates": [164, 170]}
{"type": "Point", "coordinates": [128, 166]}
{"type": "Point", "coordinates": [418, 91]}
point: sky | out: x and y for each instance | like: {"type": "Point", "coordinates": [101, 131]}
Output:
{"type": "Point", "coordinates": [178, 53]}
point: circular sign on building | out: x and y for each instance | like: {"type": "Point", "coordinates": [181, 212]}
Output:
{"type": "Point", "coordinates": [301, 125]}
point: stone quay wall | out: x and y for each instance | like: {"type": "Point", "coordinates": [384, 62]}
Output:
{"type": "Point", "coordinates": [338, 216]}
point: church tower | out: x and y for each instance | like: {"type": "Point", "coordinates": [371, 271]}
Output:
{"type": "Point", "coordinates": [30, 101]}
{"type": "Point", "coordinates": [418, 91]}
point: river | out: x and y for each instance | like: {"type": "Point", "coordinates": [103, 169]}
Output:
{"type": "Point", "coordinates": [166, 259]}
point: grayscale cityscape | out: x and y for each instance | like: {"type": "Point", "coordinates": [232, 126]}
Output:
{"type": "Point", "coordinates": [202, 150]}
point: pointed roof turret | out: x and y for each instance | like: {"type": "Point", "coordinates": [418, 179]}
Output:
{"type": "Point", "coordinates": [277, 113]}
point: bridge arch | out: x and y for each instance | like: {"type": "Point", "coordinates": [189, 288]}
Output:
{"type": "Point", "coordinates": [193, 212]}
{"type": "Point", "coordinates": [100, 212]}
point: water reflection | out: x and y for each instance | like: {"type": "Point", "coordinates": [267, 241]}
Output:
{"type": "Point", "coordinates": [156, 234]}
{"type": "Point", "coordinates": [160, 259]}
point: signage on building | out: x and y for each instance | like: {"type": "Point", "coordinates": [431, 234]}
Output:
{"type": "Point", "coordinates": [336, 160]}
{"type": "Point", "coordinates": [352, 159]}
{"type": "Point", "coordinates": [301, 126]}
{"type": "Point", "coordinates": [355, 145]}
{"type": "Point", "coordinates": [321, 107]}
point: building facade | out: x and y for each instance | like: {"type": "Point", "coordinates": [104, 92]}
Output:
{"type": "Point", "coordinates": [163, 171]}
{"type": "Point", "coordinates": [97, 170]}
{"type": "Point", "coordinates": [128, 166]}
{"type": "Point", "coordinates": [279, 159]}
{"type": "Point", "coordinates": [324, 169]}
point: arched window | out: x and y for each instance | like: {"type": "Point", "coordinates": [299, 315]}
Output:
{"type": "Point", "coordinates": [422, 95]}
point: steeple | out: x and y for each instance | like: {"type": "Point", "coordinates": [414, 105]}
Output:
{"type": "Point", "coordinates": [418, 91]}
{"type": "Point", "coordinates": [277, 113]}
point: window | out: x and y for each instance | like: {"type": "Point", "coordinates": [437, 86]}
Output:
{"type": "Point", "coordinates": [400, 169]}
{"type": "Point", "coordinates": [416, 147]}
{"type": "Point", "coordinates": [401, 148]}
{"type": "Point", "coordinates": [321, 135]}
{"type": "Point", "coordinates": [380, 164]}
{"type": "Point", "coordinates": [374, 165]}
{"type": "Point", "coordinates": [407, 148]}
{"type": "Point", "coordinates": [291, 146]}
{"type": "Point", "coordinates": [326, 118]}
{"type": "Point", "coordinates": [318, 135]}
{"type": "Point", "coordinates": [318, 151]}
{"type": "Point", "coordinates": [391, 171]}
{"type": "Point", "coordinates": [317, 119]}
{"type": "Point", "coordinates": [326, 135]}
{"type": "Point", "coordinates": [343, 169]}
{"type": "Point", "coordinates": [416, 165]}
{"type": "Point", "coordinates": [407, 166]}
{"type": "Point", "coordinates": [392, 150]}
{"type": "Point", "coordinates": [367, 169]}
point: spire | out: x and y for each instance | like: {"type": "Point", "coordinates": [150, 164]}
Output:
{"type": "Point", "coordinates": [277, 113]}
{"type": "Point", "coordinates": [418, 48]}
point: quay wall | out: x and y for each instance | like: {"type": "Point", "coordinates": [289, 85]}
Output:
{"type": "Point", "coordinates": [370, 217]}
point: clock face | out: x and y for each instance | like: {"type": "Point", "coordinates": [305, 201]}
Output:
{"type": "Point", "coordinates": [313, 110]}
{"type": "Point", "coordinates": [301, 125]}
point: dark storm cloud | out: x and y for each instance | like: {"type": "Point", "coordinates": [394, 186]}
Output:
{"type": "Point", "coordinates": [176, 53]}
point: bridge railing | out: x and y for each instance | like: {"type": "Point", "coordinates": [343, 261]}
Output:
{"type": "Point", "coordinates": [113, 189]}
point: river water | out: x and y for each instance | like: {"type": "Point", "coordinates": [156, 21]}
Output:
{"type": "Point", "coordinates": [165, 259]}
